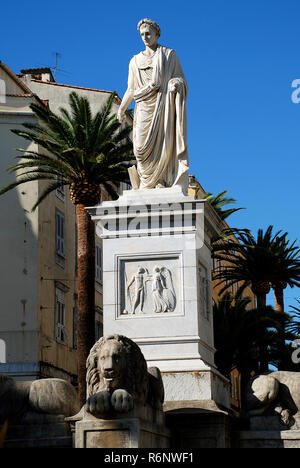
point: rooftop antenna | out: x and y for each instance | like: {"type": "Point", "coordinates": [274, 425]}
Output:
{"type": "Point", "coordinates": [57, 55]}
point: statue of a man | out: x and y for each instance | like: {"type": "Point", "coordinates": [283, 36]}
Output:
{"type": "Point", "coordinates": [157, 84]}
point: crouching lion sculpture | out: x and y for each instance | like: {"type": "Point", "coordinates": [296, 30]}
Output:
{"type": "Point", "coordinates": [117, 378]}
{"type": "Point", "coordinates": [275, 393]}
{"type": "Point", "coordinates": [51, 396]}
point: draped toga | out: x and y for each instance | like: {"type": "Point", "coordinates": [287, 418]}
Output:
{"type": "Point", "coordinates": [160, 124]}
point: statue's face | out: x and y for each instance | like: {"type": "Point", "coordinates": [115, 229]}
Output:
{"type": "Point", "coordinates": [111, 363]}
{"type": "Point", "coordinates": [148, 35]}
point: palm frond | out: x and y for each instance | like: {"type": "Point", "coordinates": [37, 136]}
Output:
{"type": "Point", "coordinates": [73, 147]}
{"type": "Point", "coordinates": [50, 188]}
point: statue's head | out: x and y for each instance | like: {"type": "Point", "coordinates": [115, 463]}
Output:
{"type": "Point", "coordinates": [114, 362]}
{"type": "Point", "coordinates": [149, 31]}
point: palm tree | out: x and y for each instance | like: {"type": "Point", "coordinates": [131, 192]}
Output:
{"type": "Point", "coordinates": [241, 333]}
{"type": "Point", "coordinates": [295, 320]}
{"type": "Point", "coordinates": [218, 202]}
{"type": "Point", "coordinates": [288, 269]}
{"type": "Point", "coordinates": [258, 262]}
{"type": "Point", "coordinates": [238, 333]}
{"type": "Point", "coordinates": [86, 153]}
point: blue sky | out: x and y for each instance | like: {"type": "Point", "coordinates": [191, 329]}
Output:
{"type": "Point", "coordinates": [240, 59]}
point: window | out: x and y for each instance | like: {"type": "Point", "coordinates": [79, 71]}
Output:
{"type": "Point", "coordinates": [61, 193]}
{"type": "Point", "coordinates": [98, 330]}
{"type": "Point", "coordinates": [98, 323]}
{"type": "Point", "coordinates": [60, 233]}
{"type": "Point", "coordinates": [98, 255]}
{"type": "Point", "coordinates": [236, 388]}
{"type": "Point", "coordinates": [60, 333]}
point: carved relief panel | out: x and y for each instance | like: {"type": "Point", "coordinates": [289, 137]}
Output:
{"type": "Point", "coordinates": [204, 291]}
{"type": "Point", "coordinates": [150, 286]}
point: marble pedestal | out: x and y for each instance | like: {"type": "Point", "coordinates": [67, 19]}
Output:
{"type": "Point", "coordinates": [268, 432]}
{"type": "Point", "coordinates": [157, 285]}
{"type": "Point", "coordinates": [143, 427]}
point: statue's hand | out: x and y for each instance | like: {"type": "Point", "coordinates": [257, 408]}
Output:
{"type": "Point", "coordinates": [173, 85]}
{"type": "Point", "coordinates": [122, 401]}
{"type": "Point", "coordinates": [98, 403]}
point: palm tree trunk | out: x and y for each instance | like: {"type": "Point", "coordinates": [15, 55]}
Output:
{"type": "Point", "coordinates": [261, 289]}
{"type": "Point", "coordinates": [86, 294]}
{"type": "Point", "coordinates": [278, 293]}
{"type": "Point", "coordinates": [261, 300]}
{"type": "Point", "coordinates": [278, 288]}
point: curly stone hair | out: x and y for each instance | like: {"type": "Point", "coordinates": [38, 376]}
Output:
{"type": "Point", "coordinates": [151, 23]}
{"type": "Point", "coordinates": [135, 377]}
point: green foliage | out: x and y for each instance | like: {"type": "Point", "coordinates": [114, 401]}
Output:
{"type": "Point", "coordinates": [267, 258]}
{"type": "Point", "coordinates": [218, 202]}
{"type": "Point", "coordinates": [294, 325]}
{"type": "Point", "coordinates": [73, 146]}
{"type": "Point", "coordinates": [240, 333]}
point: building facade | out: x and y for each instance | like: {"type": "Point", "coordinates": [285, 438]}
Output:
{"type": "Point", "coordinates": [38, 319]}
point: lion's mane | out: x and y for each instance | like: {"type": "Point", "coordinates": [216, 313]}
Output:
{"type": "Point", "coordinates": [135, 377]}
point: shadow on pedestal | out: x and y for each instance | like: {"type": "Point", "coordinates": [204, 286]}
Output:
{"type": "Point", "coordinates": [197, 424]}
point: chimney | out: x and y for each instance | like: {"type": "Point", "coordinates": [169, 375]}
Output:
{"type": "Point", "coordinates": [40, 74]}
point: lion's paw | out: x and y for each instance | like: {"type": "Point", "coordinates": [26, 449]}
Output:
{"type": "Point", "coordinates": [122, 401]}
{"type": "Point", "coordinates": [286, 417]}
{"type": "Point", "coordinates": [98, 403]}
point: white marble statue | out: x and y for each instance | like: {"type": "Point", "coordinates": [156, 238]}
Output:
{"type": "Point", "coordinates": [157, 84]}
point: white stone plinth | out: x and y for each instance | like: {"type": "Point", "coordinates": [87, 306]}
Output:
{"type": "Point", "coordinates": [157, 278]}
{"type": "Point", "coordinates": [120, 433]}
{"type": "Point", "coordinates": [143, 427]}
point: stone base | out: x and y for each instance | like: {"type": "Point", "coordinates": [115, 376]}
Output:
{"type": "Point", "coordinates": [143, 427]}
{"type": "Point", "coordinates": [39, 431]}
{"type": "Point", "coordinates": [197, 424]}
{"type": "Point", "coordinates": [120, 433]}
{"type": "Point", "coordinates": [273, 423]}
{"type": "Point", "coordinates": [206, 385]}
{"type": "Point", "coordinates": [267, 439]}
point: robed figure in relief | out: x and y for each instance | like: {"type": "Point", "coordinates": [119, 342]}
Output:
{"type": "Point", "coordinates": [157, 84]}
